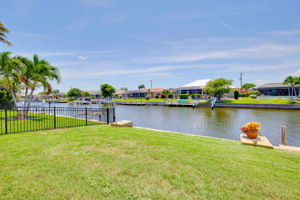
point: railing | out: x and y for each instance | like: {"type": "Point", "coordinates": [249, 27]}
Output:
{"type": "Point", "coordinates": [23, 119]}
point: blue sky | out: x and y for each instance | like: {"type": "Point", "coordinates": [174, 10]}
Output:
{"type": "Point", "coordinates": [172, 42]}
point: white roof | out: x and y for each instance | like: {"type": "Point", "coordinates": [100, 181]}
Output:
{"type": "Point", "coordinates": [196, 84]}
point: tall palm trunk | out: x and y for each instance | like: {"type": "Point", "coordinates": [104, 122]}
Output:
{"type": "Point", "coordinates": [30, 97]}
{"type": "Point", "coordinates": [26, 96]}
{"type": "Point", "coordinates": [295, 92]}
{"type": "Point", "coordinates": [13, 95]}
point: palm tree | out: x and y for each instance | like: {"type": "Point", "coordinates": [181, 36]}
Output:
{"type": "Point", "coordinates": [3, 31]}
{"type": "Point", "coordinates": [166, 93]}
{"type": "Point", "coordinates": [9, 71]}
{"type": "Point", "coordinates": [297, 83]}
{"type": "Point", "coordinates": [292, 82]}
{"type": "Point", "coordinates": [41, 73]}
{"type": "Point", "coordinates": [25, 74]}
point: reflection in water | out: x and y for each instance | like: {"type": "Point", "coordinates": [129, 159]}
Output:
{"type": "Point", "coordinates": [221, 122]}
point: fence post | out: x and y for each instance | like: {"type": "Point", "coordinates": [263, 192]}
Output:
{"type": "Point", "coordinates": [114, 114]}
{"type": "Point", "coordinates": [86, 117]}
{"type": "Point", "coordinates": [54, 113]}
{"type": "Point", "coordinates": [6, 131]}
{"type": "Point", "coordinates": [283, 135]}
{"type": "Point", "coordinates": [107, 115]}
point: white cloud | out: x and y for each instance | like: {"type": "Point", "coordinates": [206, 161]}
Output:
{"type": "Point", "coordinates": [296, 32]}
{"type": "Point", "coordinates": [82, 57]}
{"type": "Point", "coordinates": [101, 70]}
{"type": "Point", "coordinates": [260, 82]}
{"type": "Point", "coordinates": [43, 54]}
{"type": "Point", "coordinates": [296, 73]}
{"type": "Point", "coordinates": [109, 69]}
{"type": "Point", "coordinates": [259, 51]}
{"type": "Point", "coordinates": [226, 25]}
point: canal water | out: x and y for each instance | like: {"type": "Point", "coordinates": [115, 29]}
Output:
{"type": "Point", "coordinates": [220, 122]}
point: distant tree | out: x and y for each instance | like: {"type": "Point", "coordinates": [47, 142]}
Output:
{"type": "Point", "coordinates": [148, 93]}
{"type": "Point", "coordinates": [247, 86]}
{"type": "Point", "coordinates": [85, 94]}
{"type": "Point", "coordinates": [167, 93]}
{"type": "Point", "coordinates": [74, 92]}
{"type": "Point", "coordinates": [292, 82]}
{"type": "Point", "coordinates": [3, 31]}
{"type": "Point", "coordinates": [141, 86]}
{"type": "Point", "coordinates": [55, 92]}
{"type": "Point", "coordinates": [107, 90]}
{"type": "Point", "coordinates": [6, 99]}
{"type": "Point", "coordinates": [218, 87]}
{"type": "Point", "coordinates": [124, 88]}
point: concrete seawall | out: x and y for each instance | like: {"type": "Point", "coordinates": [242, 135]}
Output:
{"type": "Point", "coordinates": [259, 106]}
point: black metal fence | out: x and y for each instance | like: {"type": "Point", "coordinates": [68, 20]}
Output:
{"type": "Point", "coordinates": [23, 119]}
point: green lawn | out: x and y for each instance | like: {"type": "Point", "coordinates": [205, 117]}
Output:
{"type": "Point", "coordinates": [260, 101]}
{"type": "Point", "coordinates": [145, 100]}
{"type": "Point", "coordinates": [101, 162]}
{"type": "Point", "coordinates": [39, 121]}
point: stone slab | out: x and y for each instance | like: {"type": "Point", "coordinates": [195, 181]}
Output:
{"type": "Point", "coordinates": [260, 141]}
{"type": "Point", "coordinates": [122, 123]}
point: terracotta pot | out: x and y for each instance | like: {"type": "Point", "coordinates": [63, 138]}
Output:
{"type": "Point", "coordinates": [252, 134]}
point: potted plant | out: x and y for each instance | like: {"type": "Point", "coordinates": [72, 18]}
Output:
{"type": "Point", "coordinates": [251, 129]}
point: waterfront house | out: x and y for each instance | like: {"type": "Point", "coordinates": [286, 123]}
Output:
{"type": "Point", "coordinates": [120, 93]}
{"type": "Point", "coordinates": [142, 93]}
{"type": "Point", "coordinates": [95, 93]}
{"type": "Point", "coordinates": [195, 87]}
{"type": "Point", "coordinates": [275, 89]}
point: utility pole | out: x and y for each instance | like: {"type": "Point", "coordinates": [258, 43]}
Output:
{"type": "Point", "coordinates": [241, 79]}
{"type": "Point", "coordinates": [100, 90]}
{"type": "Point", "coordinates": [151, 83]}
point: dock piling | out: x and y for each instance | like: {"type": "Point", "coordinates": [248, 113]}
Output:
{"type": "Point", "coordinates": [283, 135]}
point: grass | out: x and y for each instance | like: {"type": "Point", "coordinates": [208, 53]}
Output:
{"type": "Point", "coordinates": [38, 121]}
{"type": "Point", "coordinates": [145, 100]}
{"type": "Point", "coordinates": [260, 101]}
{"type": "Point", "coordinates": [102, 162]}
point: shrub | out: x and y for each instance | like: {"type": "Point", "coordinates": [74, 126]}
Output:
{"type": "Point", "coordinates": [196, 96]}
{"type": "Point", "coordinates": [252, 96]}
{"type": "Point", "coordinates": [171, 95]}
{"type": "Point", "coordinates": [236, 94]}
{"type": "Point", "coordinates": [184, 96]}
{"type": "Point", "coordinates": [74, 92]}
{"type": "Point", "coordinates": [6, 99]}
{"type": "Point", "coordinates": [254, 92]}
